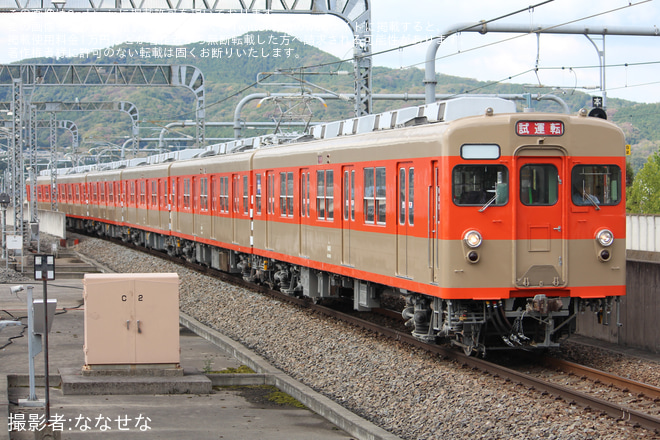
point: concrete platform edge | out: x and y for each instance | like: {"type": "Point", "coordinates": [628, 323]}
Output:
{"type": "Point", "coordinates": [325, 407]}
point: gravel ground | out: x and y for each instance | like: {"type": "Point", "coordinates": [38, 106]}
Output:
{"type": "Point", "coordinates": [402, 389]}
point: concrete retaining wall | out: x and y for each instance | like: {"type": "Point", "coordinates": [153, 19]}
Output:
{"type": "Point", "coordinates": [638, 310]}
{"type": "Point", "coordinates": [50, 222]}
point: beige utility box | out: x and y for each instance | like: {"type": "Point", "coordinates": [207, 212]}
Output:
{"type": "Point", "coordinates": [131, 319]}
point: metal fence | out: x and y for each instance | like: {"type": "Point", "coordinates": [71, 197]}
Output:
{"type": "Point", "coordinates": [643, 232]}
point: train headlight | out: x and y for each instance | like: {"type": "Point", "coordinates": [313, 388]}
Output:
{"type": "Point", "coordinates": [605, 237]}
{"type": "Point", "coordinates": [472, 239]}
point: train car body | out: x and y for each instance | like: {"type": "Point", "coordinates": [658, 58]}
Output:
{"type": "Point", "coordinates": [497, 228]}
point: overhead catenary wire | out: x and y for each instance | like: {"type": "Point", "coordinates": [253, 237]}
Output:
{"type": "Point", "coordinates": [299, 69]}
{"type": "Point", "coordinates": [537, 31]}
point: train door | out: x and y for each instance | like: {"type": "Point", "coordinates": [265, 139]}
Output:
{"type": "Point", "coordinates": [305, 209]}
{"type": "Point", "coordinates": [348, 214]}
{"type": "Point", "coordinates": [213, 195]}
{"type": "Point", "coordinates": [235, 206]}
{"type": "Point", "coordinates": [405, 216]}
{"type": "Point", "coordinates": [433, 228]}
{"type": "Point", "coordinates": [270, 206]}
{"type": "Point", "coordinates": [540, 232]}
{"type": "Point", "coordinates": [195, 205]}
{"type": "Point", "coordinates": [176, 203]}
{"type": "Point", "coordinates": [122, 201]}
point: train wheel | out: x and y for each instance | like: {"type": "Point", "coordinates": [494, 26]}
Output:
{"type": "Point", "coordinates": [469, 340]}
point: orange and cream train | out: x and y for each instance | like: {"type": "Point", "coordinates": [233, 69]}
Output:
{"type": "Point", "coordinates": [497, 227]}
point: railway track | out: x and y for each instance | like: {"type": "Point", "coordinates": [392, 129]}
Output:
{"type": "Point", "coordinates": [645, 415]}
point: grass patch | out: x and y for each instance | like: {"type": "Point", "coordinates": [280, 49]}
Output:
{"type": "Point", "coordinates": [264, 396]}
{"type": "Point", "coordinates": [240, 370]}
{"type": "Point", "coordinates": [281, 398]}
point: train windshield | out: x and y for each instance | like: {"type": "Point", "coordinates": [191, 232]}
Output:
{"type": "Point", "coordinates": [480, 185]}
{"type": "Point", "coordinates": [596, 185]}
{"type": "Point", "coordinates": [539, 184]}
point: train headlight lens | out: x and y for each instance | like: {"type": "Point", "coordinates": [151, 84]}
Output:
{"type": "Point", "coordinates": [605, 237]}
{"type": "Point", "coordinates": [472, 239]}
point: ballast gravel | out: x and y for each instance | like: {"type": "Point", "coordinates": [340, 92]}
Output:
{"type": "Point", "coordinates": [404, 390]}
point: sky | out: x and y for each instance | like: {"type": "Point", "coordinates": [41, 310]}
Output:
{"type": "Point", "coordinates": [565, 62]}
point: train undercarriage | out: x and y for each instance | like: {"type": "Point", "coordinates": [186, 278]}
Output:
{"type": "Point", "coordinates": [475, 326]}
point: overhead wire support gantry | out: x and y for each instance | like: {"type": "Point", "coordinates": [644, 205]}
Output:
{"type": "Point", "coordinates": [483, 28]}
{"type": "Point", "coordinates": [356, 13]}
{"type": "Point", "coordinates": [133, 75]}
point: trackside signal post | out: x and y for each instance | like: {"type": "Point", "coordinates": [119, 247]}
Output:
{"type": "Point", "coordinates": [40, 317]}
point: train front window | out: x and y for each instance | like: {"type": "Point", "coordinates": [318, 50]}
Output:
{"type": "Point", "coordinates": [539, 184]}
{"type": "Point", "coordinates": [596, 185]}
{"type": "Point", "coordinates": [480, 185]}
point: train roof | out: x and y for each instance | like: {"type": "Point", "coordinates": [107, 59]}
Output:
{"type": "Point", "coordinates": [441, 111]}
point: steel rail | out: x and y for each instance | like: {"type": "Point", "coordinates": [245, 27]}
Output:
{"type": "Point", "coordinates": [623, 383]}
{"type": "Point", "coordinates": [615, 410]}
{"type": "Point", "coordinates": [612, 409]}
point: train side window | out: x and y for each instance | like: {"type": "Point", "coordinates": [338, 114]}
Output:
{"type": "Point", "coordinates": [325, 194]}
{"type": "Point", "coordinates": [286, 194]}
{"type": "Point", "coordinates": [257, 193]}
{"type": "Point", "coordinates": [204, 194]}
{"type": "Point", "coordinates": [143, 193]}
{"type": "Point", "coordinates": [224, 194]}
{"type": "Point", "coordinates": [411, 196]}
{"type": "Point", "coordinates": [352, 195]}
{"type": "Point", "coordinates": [539, 185]}
{"type": "Point", "coordinates": [173, 193]}
{"type": "Point", "coordinates": [111, 193]}
{"type": "Point", "coordinates": [132, 192]}
{"type": "Point", "coordinates": [164, 186]}
{"type": "Point", "coordinates": [402, 196]}
{"type": "Point", "coordinates": [596, 185]}
{"type": "Point", "coordinates": [375, 190]}
{"type": "Point", "coordinates": [305, 190]}
{"type": "Point", "coordinates": [245, 195]}
{"type": "Point", "coordinates": [154, 193]}
{"type": "Point", "coordinates": [320, 194]}
{"type": "Point", "coordinates": [406, 189]}
{"type": "Point", "coordinates": [271, 193]}
{"type": "Point", "coordinates": [235, 195]}
{"type": "Point", "coordinates": [186, 193]}
{"type": "Point", "coordinates": [477, 185]}
{"type": "Point", "coordinates": [289, 194]}
{"type": "Point", "coordinates": [347, 194]}
{"type": "Point", "coordinates": [303, 195]}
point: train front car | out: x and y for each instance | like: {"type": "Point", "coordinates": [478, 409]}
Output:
{"type": "Point", "coordinates": [531, 231]}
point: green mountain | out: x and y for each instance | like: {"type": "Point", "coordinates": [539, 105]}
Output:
{"type": "Point", "coordinates": [256, 63]}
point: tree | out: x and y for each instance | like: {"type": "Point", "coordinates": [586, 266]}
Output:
{"type": "Point", "coordinates": [630, 174]}
{"type": "Point", "coordinates": [644, 196]}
